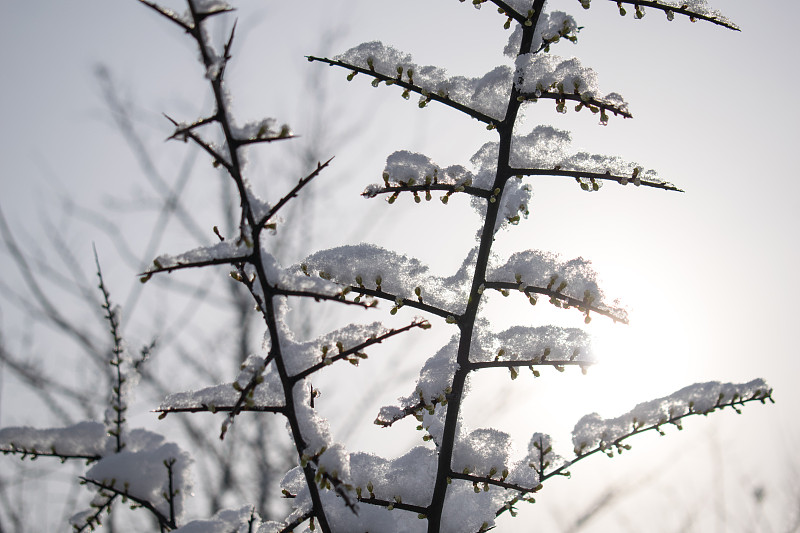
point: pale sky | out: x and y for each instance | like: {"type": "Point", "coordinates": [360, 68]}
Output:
{"type": "Point", "coordinates": [707, 274]}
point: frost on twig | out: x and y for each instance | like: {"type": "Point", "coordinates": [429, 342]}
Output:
{"type": "Point", "coordinates": [701, 398]}
{"type": "Point", "coordinates": [571, 283]}
{"type": "Point", "coordinates": [694, 9]}
{"type": "Point", "coordinates": [370, 269]}
{"type": "Point", "coordinates": [482, 98]}
{"type": "Point", "coordinates": [84, 440]}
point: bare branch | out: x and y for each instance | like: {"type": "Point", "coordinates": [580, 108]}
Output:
{"type": "Point", "coordinates": [24, 452]}
{"type": "Point", "coordinates": [233, 260]}
{"type": "Point", "coordinates": [405, 302]}
{"type": "Point", "coordinates": [293, 193]}
{"type": "Point", "coordinates": [355, 350]}
{"type": "Point", "coordinates": [606, 176]}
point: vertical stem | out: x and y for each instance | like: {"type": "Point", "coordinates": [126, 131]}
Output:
{"type": "Point", "coordinates": [248, 224]}
{"type": "Point", "coordinates": [467, 321]}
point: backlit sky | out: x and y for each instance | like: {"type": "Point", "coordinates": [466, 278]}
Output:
{"type": "Point", "coordinates": [710, 275]}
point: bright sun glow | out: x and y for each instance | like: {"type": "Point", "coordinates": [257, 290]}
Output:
{"type": "Point", "coordinates": [643, 360]}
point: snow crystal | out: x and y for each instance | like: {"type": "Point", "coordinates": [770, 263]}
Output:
{"type": "Point", "coordinates": [551, 28]}
{"type": "Point", "coordinates": [374, 267]}
{"type": "Point", "coordinates": [260, 129]}
{"type": "Point", "coordinates": [259, 207]}
{"type": "Point", "coordinates": [434, 379]}
{"type": "Point", "coordinates": [539, 73]}
{"type": "Point", "coordinates": [138, 470]}
{"type": "Point", "coordinates": [294, 279]}
{"type": "Point", "coordinates": [313, 428]}
{"type": "Point", "coordinates": [547, 148]}
{"type": "Point", "coordinates": [143, 474]}
{"type": "Point", "coordinates": [371, 518]}
{"type": "Point", "coordinates": [228, 521]}
{"type": "Point", "coordinates": [592, 430]}
{"type": "Point", "coordinates": [404, 167]}
{"type": "Point", "coordinates": [481, 452]}
{"type": "Point", "coordinates": [140, 439]}
{"type": "Point", "coordinates": [300, 356]}
{"type": "Point", "coordinates": [531, 343]}
{"type": "Point", "coordinates": [522, 474]}
{"type": "Point", "coordinates": [544, 147]}
{"type": "Point", "coordinates": [432, 385]}
{"type": "Point", "coordinates": [513, 204]}
{"type": "Point", "coordinates": [574, 278]}
{"type": "Point", "coordinates": [369, 265]}
{"type": "Point", "coordinates": [366, 469]}
{"type": "Point", "coordinates": [516, 343]}
{"type": "Point", "coordinates": [488, 94]}
{"type": "Point", "coordinates": [466, 510]}
{"type": "Point", "coordinates": [699, 7]}
{"type": "Point", "coordinates": [335, 461]}
{"type": "Point", "coordinates": [294, 481]}
{"type": "Point", "coordinates": [210, 6]}
{"type": "Point", "coordinates": [410, 477]}
{"type": "Point", "coordinates": [268, 393]}
{"type": "Point", "coordinates": [540, 459]}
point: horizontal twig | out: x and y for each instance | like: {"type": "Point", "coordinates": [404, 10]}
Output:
{"type": "Point", "coordinates": [204, 408]}
{"type": "Point", "coordinates": [233, 260]}
{"type": "Point", "coordinates": [216, 156]}
{"type": "Point", "coordinates": [423, 324]}
{"type": "Point", "coordinates": [679, 10]}
{"type": "Point", "coordinates": [500, 482]}
{"type": "Point", "coordinates": [447, 187]}
{"type": "Point", "coordinates": [477, 115]}
{"type": "Point", "coordinates": [393, 504]}
{"type": "Point", "coordinates": [569, 300]}
{"type": "Point", "coordinates": [575, 98]}
{"type": "Point", "coordinates": [89, 458]}
{"type": "Point", "coordinates": [528, 362]}
{"type": "Point", "coordinates": [317, 296]}
{"type": "Point", "coordinates": [406, 302]}
{"type": "Point", "coordinates": [604, 176]}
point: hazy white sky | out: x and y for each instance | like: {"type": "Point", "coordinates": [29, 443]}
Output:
{"type": "Point", "coordinates": [709, 274]}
